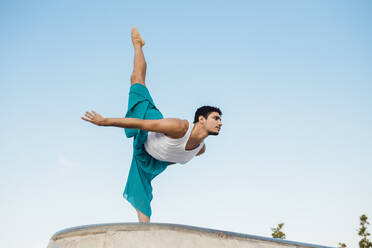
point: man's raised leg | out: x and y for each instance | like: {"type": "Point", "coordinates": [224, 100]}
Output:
{"type": "Point", "coordinates": [139, 69]}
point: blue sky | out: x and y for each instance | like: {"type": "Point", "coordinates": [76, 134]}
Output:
{"type": "Point", "coordinates": [293, 79]}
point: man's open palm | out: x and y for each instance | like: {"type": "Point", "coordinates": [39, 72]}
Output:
{"type": "Point", "coordinates": [94, 118]}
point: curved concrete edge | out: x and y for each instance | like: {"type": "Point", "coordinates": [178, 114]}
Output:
{"type": "Point", "coordinates": [103, 228]}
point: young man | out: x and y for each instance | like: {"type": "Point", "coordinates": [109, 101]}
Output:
{"type": "Point", "coordinates": [158, 142]}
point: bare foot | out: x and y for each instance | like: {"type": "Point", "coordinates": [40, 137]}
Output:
{"type": "Point", "coordinates": [136, 37]}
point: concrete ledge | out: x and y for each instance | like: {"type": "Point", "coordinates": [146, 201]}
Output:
{"type": "Point", "coordinates": [156, 235]}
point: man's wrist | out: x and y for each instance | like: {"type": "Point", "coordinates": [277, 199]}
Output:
{"type": "Point", "coordinates": [106, 122]}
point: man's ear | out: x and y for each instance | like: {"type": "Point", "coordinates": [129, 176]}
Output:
{"type": "Point", "coordinates": [201, 119]}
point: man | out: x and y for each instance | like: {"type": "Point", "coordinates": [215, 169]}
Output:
{"type": "Point", "coordinates": [158, 142]}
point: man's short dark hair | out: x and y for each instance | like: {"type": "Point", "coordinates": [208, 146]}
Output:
{"type": "Point", "coordinates": [205, 111]}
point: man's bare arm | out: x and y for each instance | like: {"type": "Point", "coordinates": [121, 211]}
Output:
{"type": "Point", "coordinates": [201, 151]}
{"type": "Point", "coordinates": [173, 127]}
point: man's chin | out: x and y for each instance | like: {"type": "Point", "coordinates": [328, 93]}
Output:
{"type": "Point", "coordinates": [213, 133]}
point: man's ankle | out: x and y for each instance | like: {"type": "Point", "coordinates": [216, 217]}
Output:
{"type": "Point", "coordinates": [137, 46]}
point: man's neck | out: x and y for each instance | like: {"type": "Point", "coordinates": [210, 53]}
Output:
{"type": "Point", "coordinates": [198, 134]}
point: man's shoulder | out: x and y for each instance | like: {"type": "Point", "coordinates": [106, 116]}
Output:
{"type": "Point", "coordinates": [177, 128]}
{"type": "Point", "coordinates": [184, 126]}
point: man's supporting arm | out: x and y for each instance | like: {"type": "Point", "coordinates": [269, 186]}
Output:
{"type": "Point", "coordinates": [201, 151]}
{"type": "Point", "coordinates": [173, 127]}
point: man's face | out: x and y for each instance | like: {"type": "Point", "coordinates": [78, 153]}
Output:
{"type": "Point", "coordinates": [213, 123]}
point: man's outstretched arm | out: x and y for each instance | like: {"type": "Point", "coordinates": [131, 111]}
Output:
{"type": "Point", "coordinates": [173, 127]}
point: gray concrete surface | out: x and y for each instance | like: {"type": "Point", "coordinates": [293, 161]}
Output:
{"type": "Point", "coordinates": [156, 235]}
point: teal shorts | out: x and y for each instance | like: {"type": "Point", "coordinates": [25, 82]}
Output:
{"type": "Point", "coordinates": [144, 168]}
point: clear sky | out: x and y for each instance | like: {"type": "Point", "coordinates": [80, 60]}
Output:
{"type": "Point", "coordinates": [293, 79]}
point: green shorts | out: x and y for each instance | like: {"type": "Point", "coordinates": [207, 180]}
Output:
{"type": "Point", "coordinates": [144, 168]}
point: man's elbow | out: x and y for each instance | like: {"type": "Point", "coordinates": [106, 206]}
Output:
{"type": "Point", "coordinates": [150, 125]}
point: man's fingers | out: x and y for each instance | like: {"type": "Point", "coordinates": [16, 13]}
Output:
{"type": "Point", "coordinates": [91, 117]}
{"type": "Point", "coordinates": [85, 119]}
{"type": "Point", "coordinates": [89, 120]}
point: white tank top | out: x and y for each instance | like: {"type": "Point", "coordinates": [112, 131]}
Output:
{"type": "Point", "coordinates": [163, 148]}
